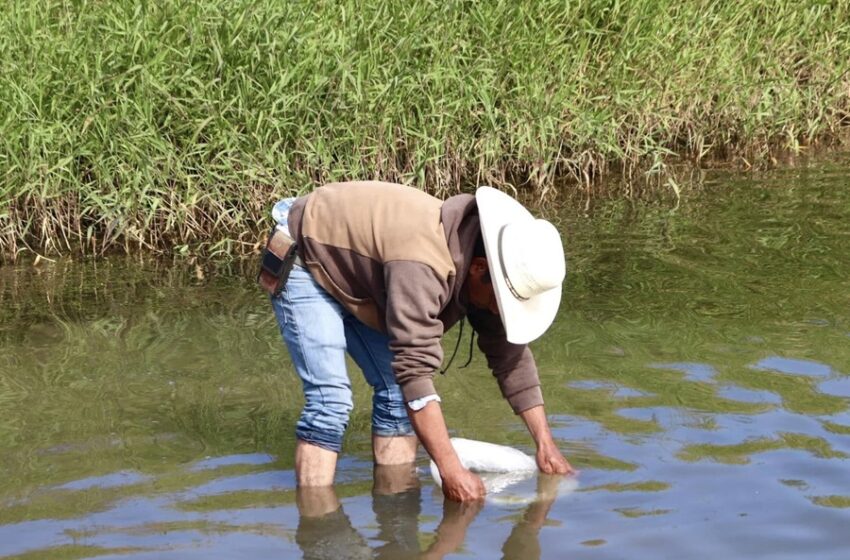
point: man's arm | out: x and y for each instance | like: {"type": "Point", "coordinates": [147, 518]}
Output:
{"type": "Point", "coordinates": [549, 457]}
{"type": "Point", "coordinates": [459, 484]}
{"type": "Point", "coordinates": [514, 367]}
{"type": "Point", "coordinates": [415, 295]}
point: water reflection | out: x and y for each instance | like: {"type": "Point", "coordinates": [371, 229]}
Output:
{"type": "Point", "coordinates": [325, 523]}
{"type": "Point", "coordinates": [325, 531]}
{"type": "Point", "coordinates": [524, 541]}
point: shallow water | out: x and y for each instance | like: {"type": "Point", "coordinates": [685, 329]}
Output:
{"type": "Point", "coordinates": [698, 374]}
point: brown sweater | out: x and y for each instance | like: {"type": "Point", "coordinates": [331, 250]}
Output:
{"type": "Point", "coordinates": [397, 258]}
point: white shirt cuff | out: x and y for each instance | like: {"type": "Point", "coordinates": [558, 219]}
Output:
{"type": "Point", "coordinates": [419, 404]}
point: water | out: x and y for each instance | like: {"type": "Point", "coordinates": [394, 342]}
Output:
{"type": "Point", "coordinates": [698, 375]}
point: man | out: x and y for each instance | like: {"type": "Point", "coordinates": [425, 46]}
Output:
{"type": "Point", "coordinates": [382, 272]}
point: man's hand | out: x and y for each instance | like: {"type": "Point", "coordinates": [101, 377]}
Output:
{"type": "Point", "coordinates": [549, 458]}
{"type": "Point", "coordinates": [459, 484]}
{"type": "Point", "coordinates": [551, 461]}
{"type": "Point", "coordinates": [462, 485]}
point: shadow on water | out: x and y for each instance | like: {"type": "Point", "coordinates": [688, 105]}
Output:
{"type": "Point", "coordinates": [698, 374]}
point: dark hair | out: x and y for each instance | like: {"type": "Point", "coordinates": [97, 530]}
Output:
{"type": "Point", "coordinates": [479, 251]}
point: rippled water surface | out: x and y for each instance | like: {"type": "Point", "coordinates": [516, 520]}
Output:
{"type": "Point", "coordinates": [698, 374]}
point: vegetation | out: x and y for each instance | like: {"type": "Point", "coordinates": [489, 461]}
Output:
{"type": "Point", "coordinates": [173, 125]}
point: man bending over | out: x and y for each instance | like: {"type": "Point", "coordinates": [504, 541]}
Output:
{"type": "Point", "coordinates": [382, 271]}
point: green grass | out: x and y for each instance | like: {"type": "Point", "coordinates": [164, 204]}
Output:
{"type": "Point", "coordinates": [173, 125]}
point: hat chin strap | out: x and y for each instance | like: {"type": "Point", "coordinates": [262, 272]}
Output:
{"type": "Point", "coordinates": [505, 271]}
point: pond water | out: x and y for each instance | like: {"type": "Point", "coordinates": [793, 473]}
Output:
{"type": "Point", "coordinates": [698, 374]}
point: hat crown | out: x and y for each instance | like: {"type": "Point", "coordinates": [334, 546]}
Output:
{"type": "Point", "coordinates": [526, 261]}
{"type": "Point", "coordinates": [532, 257]}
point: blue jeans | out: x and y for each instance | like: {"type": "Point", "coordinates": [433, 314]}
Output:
{"type": "Point", "coordinates": [318, 331]}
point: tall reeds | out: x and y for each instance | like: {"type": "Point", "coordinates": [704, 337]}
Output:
{"type": "Point", "coordinates": [173, 124]}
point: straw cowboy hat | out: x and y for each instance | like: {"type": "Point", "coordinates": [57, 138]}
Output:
{"type": "Point", "coordinates": [526, 261]}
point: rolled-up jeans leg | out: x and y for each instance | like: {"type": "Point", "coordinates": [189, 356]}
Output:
{"type": "Point", "coordinates": [311, 323]}
{"type": "Point", "coordinates": [370, 350]}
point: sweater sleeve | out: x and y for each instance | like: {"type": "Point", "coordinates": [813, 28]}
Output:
{"type": "Point", "coordinates": [512, 364]}
{"type": "Point", "coordinates": [415, 296]}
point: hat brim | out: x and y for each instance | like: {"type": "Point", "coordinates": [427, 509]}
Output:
{"type": "Point", "coordinates": [524, 320]}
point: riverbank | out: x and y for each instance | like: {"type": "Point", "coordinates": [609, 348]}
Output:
{"type": "Point", "coordinates": [173, 126]}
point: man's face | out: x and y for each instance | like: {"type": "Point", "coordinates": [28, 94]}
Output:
{"type": "Point", "coordinates": [479, 286]}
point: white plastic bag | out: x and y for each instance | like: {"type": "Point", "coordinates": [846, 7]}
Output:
{"type": "Point", "coordinates": [499, 466]}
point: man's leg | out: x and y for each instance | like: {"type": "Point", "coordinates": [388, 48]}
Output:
{"type": "Point", "coordinates": [314, 465]}
{"type": "Point", "coordinates": [396, 501]}
{"type": "Point", "coordinates": [324, 530]}
{"type": "Point", "coordinates": [311, 324]}
{"type": "Point", "coordinates": [394, 450]}
{"type": "Point", "coordinates": [316, 501]}
{"type": "Point", "coordinates": [391, 480]}
{"type": "Point", "coordinates": [393, 439]}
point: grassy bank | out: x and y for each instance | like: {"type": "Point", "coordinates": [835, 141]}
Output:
{"type": "Point", "coordinates": [174, 124]}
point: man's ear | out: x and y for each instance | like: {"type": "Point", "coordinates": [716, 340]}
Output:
{"type": "Point", "coordinates": [479, 266]}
